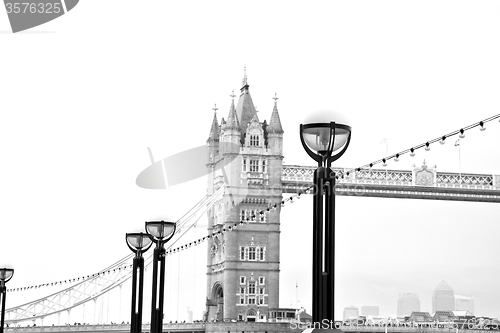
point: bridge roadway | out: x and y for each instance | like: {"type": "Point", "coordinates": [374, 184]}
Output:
{"type": "Point", "coordinates": [420, 183]}
{"type": "Point", "coordinates": [229, 327]}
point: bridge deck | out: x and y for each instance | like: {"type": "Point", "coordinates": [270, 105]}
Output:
{"type": "Point", "coordinates": [420, 183]}
{"type": "Point", "coordinates": [239, 327]}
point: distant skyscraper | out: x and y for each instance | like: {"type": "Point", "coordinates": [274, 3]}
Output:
{"type": "Point", "coordinates": [443, 298]}
{"type": "Point", "coordinates": [369, 310]}
{"type": "Point", "coordinates": [464, 303]}
{"type": "Point", "coordinates": [351, 312]}
{"type": "Point", "coordinates": [408, 303]}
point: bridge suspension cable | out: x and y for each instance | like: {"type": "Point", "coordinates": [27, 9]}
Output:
{"type": "Point", "coordinates": [95, 285]}
{"type": "Point", "coordinates": [91, 287]}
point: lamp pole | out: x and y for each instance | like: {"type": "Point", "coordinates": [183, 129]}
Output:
{"type": "Point", "coordinates": [325, 143]}
{"type": "Point", "coordinates": [137, 243]}
{"type": "Point", "coordinates": [5, 275]}
{"type": "Point", "coordinates": [160, 233]}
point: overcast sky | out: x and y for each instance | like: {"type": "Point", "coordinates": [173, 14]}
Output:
{"type": "Point", "coordinates": [83, 97]}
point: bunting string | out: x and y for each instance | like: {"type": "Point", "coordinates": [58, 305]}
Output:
{"type": "Point", "coordinates": [426, 145]}
{"type": "Point", "coordinates": [230, 228]}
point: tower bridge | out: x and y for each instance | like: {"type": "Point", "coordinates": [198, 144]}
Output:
{"type": "Point", "coordinates": [247, 176]}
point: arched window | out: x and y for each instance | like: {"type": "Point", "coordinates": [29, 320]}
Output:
{"type": "Point", "coordinates": [254, 140]}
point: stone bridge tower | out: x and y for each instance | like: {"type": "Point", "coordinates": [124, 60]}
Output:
{"type": "Point", "coordinates": [246, 156]}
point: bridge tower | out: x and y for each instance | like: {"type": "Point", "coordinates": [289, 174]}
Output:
{"type": "Point", "coordinates": [246, 156]}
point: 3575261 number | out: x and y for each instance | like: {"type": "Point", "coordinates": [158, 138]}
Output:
{"type": "Point", "coordinates": [33, 8]}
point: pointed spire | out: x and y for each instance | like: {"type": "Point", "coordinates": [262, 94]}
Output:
{"type": "Point", "coordinates": [275, 122]}
{"type": "Point", "coordinates": [255, 119]}
{"type": "Point", "coordinates": [214, 130]}
{"type": "Point", "coordinates": [232, 119]}
{"type": "Point", "coordinates": [245, 83]}
{"type": "Point", "coordinates": [245, 108]}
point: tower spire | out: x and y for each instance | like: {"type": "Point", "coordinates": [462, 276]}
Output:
{"type": "Point", "coordinates": [245, 83]}
{"type": "Point", "coordinates": [275, 122]}
{"type": "Point", "coordinates": [214, 130]}
{"type": "Point", "coordinates": [232, 118]}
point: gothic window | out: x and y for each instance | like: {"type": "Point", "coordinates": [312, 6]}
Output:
{"type": "Point", "coordinates": [243, 213]}
{"type": "Point", "coordinates": [262, 279]}
{"type": "Point", "coordinates": [251, 288]}
{"type": "Point", "coordinates": [242, 253]}
{"type": "Point", "coordinates": [242, 290]}
{"type": "Point", "coordinates": [264, 166]}
{"type": "Point", "coordinates": [261, 300]}
{"type": "Point", "coordinates": [251, 253]}
{"type": "Point", "coordinates": [254, 140]}
{"type": "Point", "coordinates": [262, 217]}
{"type": "Point", "coordinates": [243, 280]}
{"type": "Point", "coordinates": [242, 300]}
{"type": "Point", "coordinates": [254, 166]}
{"type": "Point", "coordinates": [244, 165]}
{"type": "Point", "coordinates": [251, 300]}
{"type": "Point", "coordinates": [262, 254]}
{"type": "Point", "coordinates": [261, 290]}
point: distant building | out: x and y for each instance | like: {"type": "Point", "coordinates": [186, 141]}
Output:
{"type": "Point", "coordinates": [464, 303]}
{"type": "Point", "coordinates": [369, 310]}
{"type": "Point", "coordinates": [420, 317]}
{"type": "Point", "coordinates": [443, 298]}
{"type": "Point", "coordinates": [444, 316]}
{"type": "Point", "coordinates": [408, 303]}
{"type": "Point", "coordinates": [351, 312]}
{"type": "Point", "coordinates": [463, 314]}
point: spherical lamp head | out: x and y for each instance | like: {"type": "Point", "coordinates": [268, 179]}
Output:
{"type": "Point", "coordinates": [138, 242]}
{"type": "Point", "coordinates": [160, 231]}
{"type": "Point", "coordinates": [324, 139]}
{"type": "Point", "coordinates": [6, 274]}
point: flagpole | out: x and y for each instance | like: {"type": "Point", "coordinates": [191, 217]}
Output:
{"type": "Point", "coordinates": [457, 143]}
{"type": "Point", "coordinates": [460, 162]}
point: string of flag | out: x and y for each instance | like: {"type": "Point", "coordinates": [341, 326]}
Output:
{"type": "Point", "coordinates": [426, 145]}
{"type": "Point", "coordinates": [229, 228]}
{"type": "Point", "coordinates": [442, 139]}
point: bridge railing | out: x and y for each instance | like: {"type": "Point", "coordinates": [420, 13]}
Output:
{"type": "Point", "coordinates": [238, 326]}
{"type": "Point", "coordinates": [423, 176]}
{"type": "Point", "coordinates": [105, 327]}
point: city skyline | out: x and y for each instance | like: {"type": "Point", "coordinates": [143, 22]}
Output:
{"type": "Point", "coordinates": [76, 130]}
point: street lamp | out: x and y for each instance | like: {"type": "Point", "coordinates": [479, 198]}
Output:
{"type": "Point", "coordinates": [5, 275]}
{"type": "Point", "coordinates": [138, 243]}
{"type": "Point", "coordinates": [325, 143]}
{"type": "Point", "coordinates": [160, 232]}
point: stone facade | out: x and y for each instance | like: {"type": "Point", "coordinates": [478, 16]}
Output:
{"type": "Point", "coordinates": [243, 265]}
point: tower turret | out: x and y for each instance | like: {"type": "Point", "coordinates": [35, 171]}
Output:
{"type": "Point", "coordinates": [231, 132]}
{"type": "Point", "coordinates": [243, 265]}
{"type": "Point", "coordinates": [275, 131]}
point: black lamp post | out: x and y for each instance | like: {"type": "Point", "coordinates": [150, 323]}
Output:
{"type": "Point", "coordinates": [139, 243]}
{"type": "Point", "coordinates": [325, 143]}
{"type": "Point", "coordinates": [5, 275]}
{"type": "Point", "coordinates": [160, 232]}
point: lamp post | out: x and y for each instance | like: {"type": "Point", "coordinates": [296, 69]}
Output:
{"type": "Point", "coordinates": [160, 232]}
{"type": "Point", "coordinates": [325, 143]}
{"type": "Point", "coordinates": [138, 243]}
{"type": "Point", "coordinates": [5, 275]}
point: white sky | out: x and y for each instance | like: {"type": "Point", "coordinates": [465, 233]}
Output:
{"type": "Point", "coordinates": [83, 96]}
